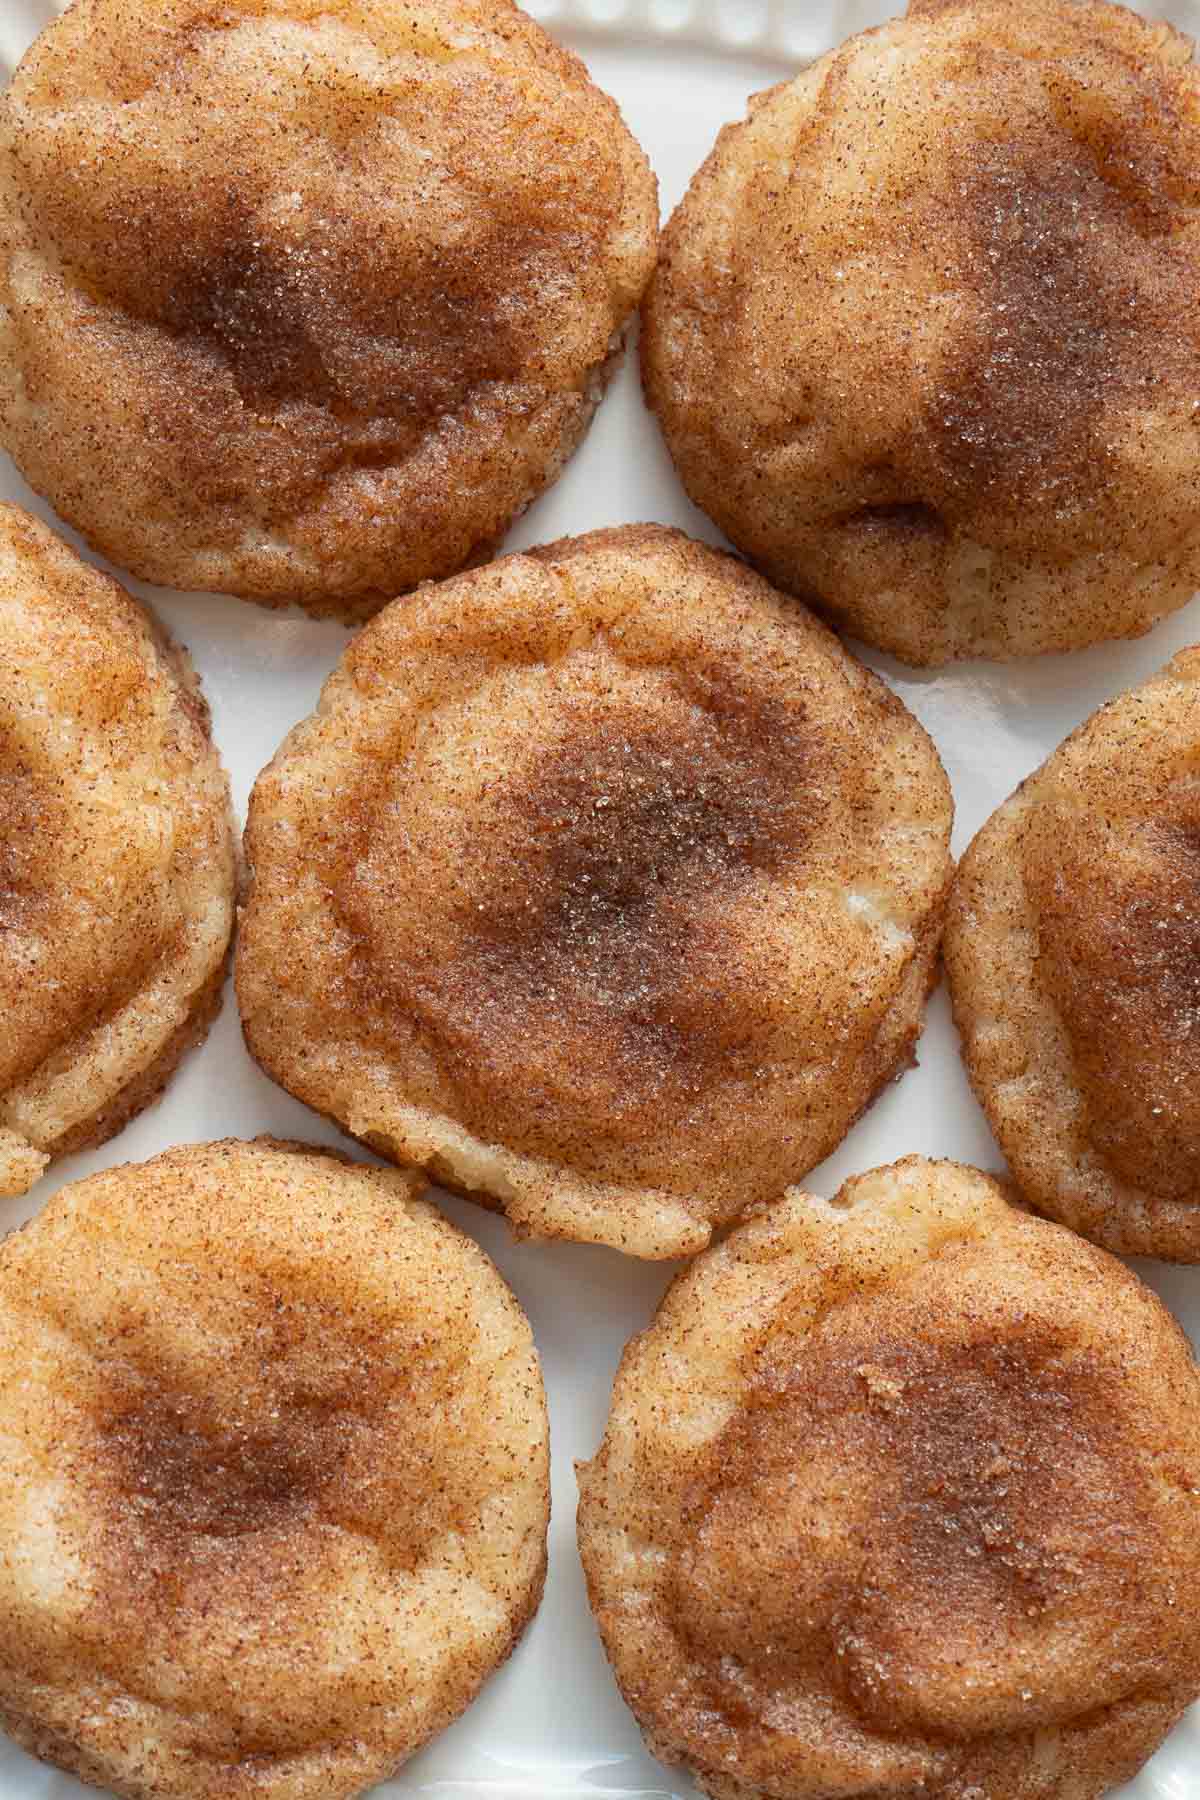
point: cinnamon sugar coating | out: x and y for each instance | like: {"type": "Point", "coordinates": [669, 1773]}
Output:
{"type": "Point", "coordinates": [603, 884]}
{"type": "Point", "coordinates": [117, 855]}
{"type": "Point", "coordinates": [304, 300]}
{"type": "Point", "coordinates": [900, 1496]}
{"type": "Point", "coordinates": [275, 1497]}
{"type": "Point", "coordinates": [925, 335]}
{"type": "Point", "coordinates": [1073, 952]}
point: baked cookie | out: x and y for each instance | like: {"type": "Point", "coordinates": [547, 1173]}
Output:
{"type": "Point", "coordinates": [117, 855]}
{"type": "Point", "coordinates": [925, 335]}
{"type": "Point", "coordinates": [304, 300]}
{"type": "Point", "coordinates": [1073, 954]}
{"type": "Point", "coordinates": [900, 1495]}
{"type": "Point", "coordinates": [273, 1475]}
{"type": "Point", "coordinates": [603, 884]}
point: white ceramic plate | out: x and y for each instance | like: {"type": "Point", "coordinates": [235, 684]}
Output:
{"type": "Point", "coordinates": [551, 1724]}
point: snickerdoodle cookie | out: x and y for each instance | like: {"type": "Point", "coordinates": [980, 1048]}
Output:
{"type": "Point", "coordinates": [900, 1495]}
{"type": "Point", "coordinates": [117, 856]}
{"type": "Point", "coordinates": [603, 884]}
{"type": "Point", "coordinates": [273, 1475]}
{"type": "Point", "coordinates": [925, 336]}
{"type": "Point", "coordinates": [1073, 953]}
{"type": "Point", "coordinates": [303, 300]}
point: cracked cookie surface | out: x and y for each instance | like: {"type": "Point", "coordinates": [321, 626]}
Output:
{"type": "Point", "coordinates": [117, 855]}
{"type": "Point", "coordinates": [275, 1489]}
{"type": "Point", "coordinates": [924, 337]}
{"type": "Point", "coordinates": [899, 1497]}
{"type": "Point", "coordinates": [302, 300]}
{"type": "Point", "coordinates": [1073, 952]}
{"type": "Point", "coordinates": [603, 884]}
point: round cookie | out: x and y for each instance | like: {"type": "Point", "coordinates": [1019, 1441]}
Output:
{"type": "Point", "coordinates": [305, 300]}
{"type": "Point", "coordinates": [1073, 955]}
{"type": "Point", "coordinates": [274, 1496]}
{"type": "Point", "coordinates": [117, 856]}
{"type": "Point", "coordinates": [925, 335]}
{"type": "Point", "coordinates": [900, 1495]}
{"type": "Point", "coordinates": [603, 884]}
